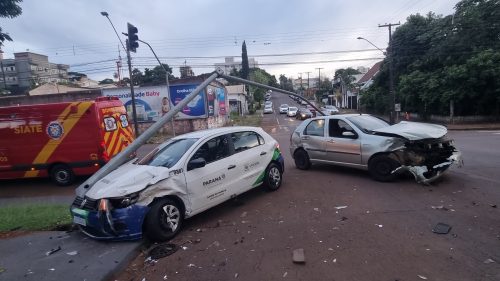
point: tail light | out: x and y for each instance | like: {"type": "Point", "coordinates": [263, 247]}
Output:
{"type": "Point", "coordinates": [104, 153]}
{"type": "Point", "coordinates": [277, 146]}
{"type": "Point", "coordinates": [103, 205]}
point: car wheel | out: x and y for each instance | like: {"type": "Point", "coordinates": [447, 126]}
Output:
{"type": "Point", "coordinates": [381, 167]}
{"type": "Point", "coordinates": [302, 161]}
{"type": "Point", "coordinates": [164, 220]}
{"type": "Point", "coordinates": [62, 174]}
{"type": "Point", "coordinates": [273, 177]}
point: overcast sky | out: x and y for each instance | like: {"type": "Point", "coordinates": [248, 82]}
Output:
{"type": "Point", "coordinates": [202, 32]}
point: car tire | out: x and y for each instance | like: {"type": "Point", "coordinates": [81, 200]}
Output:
{"type": "Point", "coordinates": [302, 161]}
{"type": "Point", "coordinates": [381, 167]}
{"type": "Point", "coordinates": [164, 220]}
{"type": "Point", "coordinates": [62, 175]}
{"type": "Point", "coordinates": [273, 177]}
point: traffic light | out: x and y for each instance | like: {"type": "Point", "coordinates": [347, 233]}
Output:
{"type": "Point", "coordinates": [132, 37]}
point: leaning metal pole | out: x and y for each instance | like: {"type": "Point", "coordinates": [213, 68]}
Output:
{"type": "Point", "coordinates": [123, 156]}
{"type": "Point", "coordinates": [237, 79]}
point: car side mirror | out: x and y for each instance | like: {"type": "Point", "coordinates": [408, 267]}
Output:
{"type": "Point", "coordinates": [349, 134]}
{"type": "Point", "coordinates": [196, 163]}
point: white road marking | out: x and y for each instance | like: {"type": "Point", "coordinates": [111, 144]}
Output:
{"type": "Point", "coordinates": [277, 121]}
{"type": "Point", "coordinates": [273, 130]}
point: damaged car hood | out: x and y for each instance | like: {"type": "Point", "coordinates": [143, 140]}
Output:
{"type": "Point", "coordinates": [413, 131]}
{"type": "Point", "coordinates": [127, 179]}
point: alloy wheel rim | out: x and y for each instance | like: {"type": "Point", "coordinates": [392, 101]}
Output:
{"type": "Point", "coordinates": [274, 176]}
{"type": "Point", "coordinates": [171, 216]}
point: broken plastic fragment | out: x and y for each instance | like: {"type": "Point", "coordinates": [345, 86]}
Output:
{"type": "Point", "coordinates": [487, 261]}
{"type": "Point", "coordinates": [422, 277]}
{"type": "Point", "coordinates": [72, 253]}
{"type": "Point", "coordinates": [53, 251]}
{"type": "Point", "coordinates": [340, 207]}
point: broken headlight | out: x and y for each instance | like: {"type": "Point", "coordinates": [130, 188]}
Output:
{"type": "Point", "coordinates": [125, 201]}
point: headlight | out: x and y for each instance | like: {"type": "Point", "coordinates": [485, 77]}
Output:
{"type": "Point", "coordinates": [125, 201]}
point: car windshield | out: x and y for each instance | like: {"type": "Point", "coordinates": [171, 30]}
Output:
{"type": "Point", "coordinates": [292, 108]}
{"type": "Point", "coordinates": [284, 105]}
{"type": "Point", "coordinates": [168, 155]}
{"type": "Point", "coordinates": [330, 107]}
{"type": "Point", "coordinates": [367, 123]}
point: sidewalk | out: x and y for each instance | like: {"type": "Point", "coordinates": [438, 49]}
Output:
{"type": "Point", "coordinates": [78, 257]}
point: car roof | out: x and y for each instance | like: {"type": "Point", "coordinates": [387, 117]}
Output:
{"type": "Point", "coordinates": [336, 116]}
{"type": "Point", "coordinates": [215, 131]}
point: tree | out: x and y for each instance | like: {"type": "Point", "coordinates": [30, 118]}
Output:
{"type": "Point", "coordinates": [444, 63]}
{"type": "Point", "coordinates": [8, 9]}
{"type": "Point", "coordinates": [245, 69]}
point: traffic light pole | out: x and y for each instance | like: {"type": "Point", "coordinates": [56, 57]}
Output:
{"type": "Point", "coordinates": [134, 112]}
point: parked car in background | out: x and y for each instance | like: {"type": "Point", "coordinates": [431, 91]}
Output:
{"type": "Point", "coordinates": [330, 110]}
{"type": "Point", "coordinates": [182, 177]}
{"type": "Point", "coordinates": [303, 113]}
{"type": "Point", "coordinates": [313, 111]}
{"type": "Point", "coordinates": [292, 111]}
{"type": "Point", "coordinates": [367, 142]}
{"type": "Point", "coordinates": [283, 108]}
{"type": "Point", "coordinates": [268, 109]}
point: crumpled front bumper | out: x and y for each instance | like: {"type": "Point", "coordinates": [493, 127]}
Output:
{"type": "Point", "coordinates": [115, 224]}
{"type": "Point", "coordinates": [424, 176]}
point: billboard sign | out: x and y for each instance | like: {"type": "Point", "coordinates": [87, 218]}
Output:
{"type": "Point", "coordinates": [150, 102]}
{"type": "Point", "coordinates": [196, 108]}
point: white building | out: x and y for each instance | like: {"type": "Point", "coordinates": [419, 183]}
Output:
{"type": "Point", "coordinates": [229, 63]}
{"type": "Point", "coordinates": [237, 96]}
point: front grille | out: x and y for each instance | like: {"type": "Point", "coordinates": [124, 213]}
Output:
{"type": "Point", "coordinates": [89, 204]}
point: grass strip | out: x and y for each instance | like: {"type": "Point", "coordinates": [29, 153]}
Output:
{"type": "Point", "coordinates": [34, 217]}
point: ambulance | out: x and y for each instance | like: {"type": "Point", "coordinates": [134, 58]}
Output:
{"type": "Point", "coordinates": [61, 140]}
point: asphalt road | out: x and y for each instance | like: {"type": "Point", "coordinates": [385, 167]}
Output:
{"type": "Point", "coordinates": [384, 232]}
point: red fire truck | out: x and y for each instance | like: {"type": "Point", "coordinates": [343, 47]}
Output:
{"type": "Point", "coordinates": [61, 140]}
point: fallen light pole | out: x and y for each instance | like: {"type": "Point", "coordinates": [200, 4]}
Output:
{"type": "Point", "coordinates": [123, 156]}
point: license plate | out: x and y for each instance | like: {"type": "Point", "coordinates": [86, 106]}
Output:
{"type": "Point", "coordinates": [80, 221]}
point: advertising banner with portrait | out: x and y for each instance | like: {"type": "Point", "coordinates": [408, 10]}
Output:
{"type": "Point", "coordinates": [196, 108]}
{"type": "Point", "coordinates": [150, 102]}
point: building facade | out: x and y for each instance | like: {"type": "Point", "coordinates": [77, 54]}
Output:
{"type": "Point", "coordinates": [28, 69]}
{"type": "Point", "coordinates": [229, 63]}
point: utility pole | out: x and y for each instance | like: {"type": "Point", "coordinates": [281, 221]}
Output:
{"type": "Point", "coordinates": [308, 79]}
{"type": "Point", "coordinates": [300, 77]}
{"type": "Point", "coordinates": [3, 74]}
{"type": "Point", "coordinates": [319, 77]}
{"type": "Point", "coordinates": [391, 72]}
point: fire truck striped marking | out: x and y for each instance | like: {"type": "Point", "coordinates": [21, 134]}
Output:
{"type": "Point", "coordinates": [114, 141]}
{"type": "Point", "coordinates": [68, 122]}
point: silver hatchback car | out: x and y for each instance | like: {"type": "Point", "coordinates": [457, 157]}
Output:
{"type": "Point", "coordinates": [367, 142]}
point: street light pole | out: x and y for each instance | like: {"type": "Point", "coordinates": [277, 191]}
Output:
{"type": "Point", "coordinates": [391, 76]}
{"type": "Point", "coordinates": [127, 50]}
{"type": "Point", "coordinates": [166, 76]}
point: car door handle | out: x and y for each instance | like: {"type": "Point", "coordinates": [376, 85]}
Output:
{"type": "Point", "coordinates": [231, 167]}
{"type": "Point", "coordinates": [331, 141]}
{"type": "Point", "coordinates": [263, 153]}
{"type": "Point", "coordinates": [304, 138]}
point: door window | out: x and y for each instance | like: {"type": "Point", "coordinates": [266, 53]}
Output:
{"type": "Point", "coordinates": [245, 140]}
{"type": "Point", "coordinates": [337, 127]}
{"type": "Point", "coordinates": [214, 149]}
{"type": "Point", "coordinates": [315, 128]}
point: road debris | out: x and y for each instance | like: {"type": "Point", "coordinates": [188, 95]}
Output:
{"type": "Point", "coordinates": [316, 209]}
{"type": "Point", "coordinates": [298, 256]}
{"type": "Point", "coordinates": [244, 214]}
{"type": "Point", "coordinates": [379, 225]}
{"type": "Point", "coordinates": [422, 277]}
{"type": "Point", "coordinates": [72, 253]}
{"type": "Point", "coordinates": [441, 228]}
{"type": "Point", "coordinates": [53, 251]}
{"type": "Point", "coordinates": [191, 265]}
{"type": "Point", "coordinates": [440, 207]}
{"type": "Point", "coordinates": [162, 250]}
{"type": "Point", "coordinates": [184, 248]}
{"type": "Point", "coordinates": [487, 261]}
{"type": "Point", "coordinates": [285, 274]}
{"type": "Point", "coordinates": [493, 205]}
{"type": "Point", "coordinates": [236, 275]}
{"type": "Point", "coordinates": [340, 207]}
